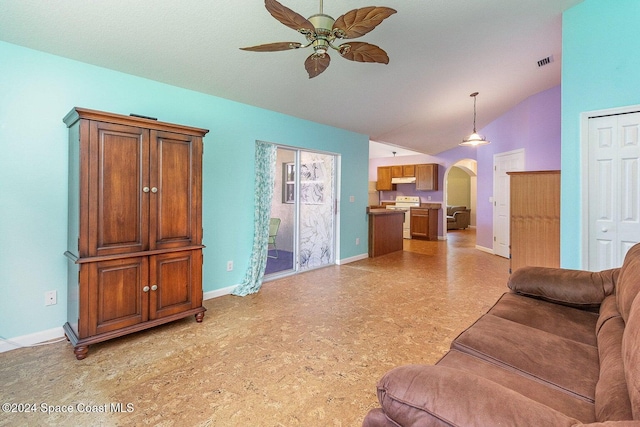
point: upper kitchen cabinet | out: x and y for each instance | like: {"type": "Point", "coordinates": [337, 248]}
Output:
{"type": "Point", "coordinates": [384, 179]}
{"type": "Point", "coordinates": [403, 171]}
{"type": "Point", "coordinates": [427, 177]}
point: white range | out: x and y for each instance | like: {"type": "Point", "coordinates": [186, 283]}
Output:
{"type": "Point", "coordinates": [405, 203]}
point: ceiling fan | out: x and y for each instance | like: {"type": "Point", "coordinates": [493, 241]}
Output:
{"type": "Point", "coordinates": [322, 30]}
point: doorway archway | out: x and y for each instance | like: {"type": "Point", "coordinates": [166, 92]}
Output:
{"type": "Point", "coordinates": [460, 188]}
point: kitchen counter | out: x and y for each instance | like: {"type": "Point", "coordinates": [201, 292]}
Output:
{"type": "Point", "coordinates": [385, 231]}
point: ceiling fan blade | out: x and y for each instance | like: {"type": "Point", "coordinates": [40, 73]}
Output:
{"type": "Point", "coordinates": [363, 52]}
{"type": "Point", "coordinates": [273, 47]}
{"type": "Point", "coordinates": [316, 64]}
{"type": "Point", "coordinates": [359, 22]}
{"type": "Point", "coordinates": [289, 18]}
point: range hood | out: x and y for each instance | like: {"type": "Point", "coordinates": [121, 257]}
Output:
{"type": "Point", "coordinates": [405, 180]}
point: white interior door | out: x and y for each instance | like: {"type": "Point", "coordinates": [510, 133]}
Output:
{"type": "Point", "coordinates": [511, 161]}
{"type": "Point", "coordinates": [613, 188]}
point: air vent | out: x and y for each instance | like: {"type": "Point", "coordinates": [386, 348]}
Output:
{"type": "Point", "coordinates": [545, 61]}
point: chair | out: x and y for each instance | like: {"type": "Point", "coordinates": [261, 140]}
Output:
{"type": "Point", "coordinates": [274, 225]}
{"type": "Point", "coordinates": [458, 217]}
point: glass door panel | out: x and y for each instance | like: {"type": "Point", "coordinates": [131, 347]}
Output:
{"type": "Point", "coordinates": [281, 251]}
{"type": "Point", "coordinates": [317, 212]}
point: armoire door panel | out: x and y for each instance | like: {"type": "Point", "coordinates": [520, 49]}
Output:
{"type": "Point", "coordinates": [172, 278]}
{"type": "Point", "coordinates": [173, 215]}
{"type": "Point", "coordinates": [118, 204]}
{"type": "Point", "coordinates": [117, 293]}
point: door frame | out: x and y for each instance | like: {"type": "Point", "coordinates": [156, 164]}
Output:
{"type": "Point", "coordinates": [296, 217]}
{"type": "Point", "coordinates": [470, 166]}
{"type": "Point", "coordinates": [584, 165]}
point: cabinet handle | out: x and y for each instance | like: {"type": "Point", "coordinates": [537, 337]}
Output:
{"type": "Point", "coordinates": [145, 289]}
{"type": "Point", "coordinates": [154, 287]}
{"type": "Point", "coordinates": [154, 189]}
{"type": "Point", "coordinates": [145, 189]}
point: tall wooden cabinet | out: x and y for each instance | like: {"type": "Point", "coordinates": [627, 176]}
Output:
{"type": "Point", "coordinates": [535, 219]}
{"type": "Point", "coordinates": [135, 225]}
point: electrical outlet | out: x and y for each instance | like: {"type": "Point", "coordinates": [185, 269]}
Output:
{"type": "Point", "coordinates": [357, 240]}
{"type": "Point", "coordinates": [50, 298]}
{"type": "Point", "coordinates": [229, 265]}
{"type": "Point", "coordinates": [352, 199]}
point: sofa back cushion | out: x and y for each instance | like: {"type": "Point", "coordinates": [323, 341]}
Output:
{"type": "Point", "coordinates": [628, 284]}
{"type": "Point", "coordinates": [631, 356]}
{"type": "Point", "coordinates": [453, 209]}
{"type": "Point", "coordinates": [628, 303]}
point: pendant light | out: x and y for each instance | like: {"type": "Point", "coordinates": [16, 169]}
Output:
{"type": "Point", "coordinates": [474, 139]}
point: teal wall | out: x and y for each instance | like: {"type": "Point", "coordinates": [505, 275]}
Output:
{"type": "Point", "coordinates": [600, 69]}
{"type": "Point", "coordinates": [36, 92]}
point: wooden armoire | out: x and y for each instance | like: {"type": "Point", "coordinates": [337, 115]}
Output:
{"type": "Point", "coordinates": [535, 219]}
{"type": "Point", "coordinates": [135, 225]}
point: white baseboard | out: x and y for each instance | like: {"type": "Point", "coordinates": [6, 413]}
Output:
{"type": "Point", "coordinates": [219, 292]}
{"type": "Point", "coordinates": [58, 333]}
{"type": "Point", "coordinates": [485, 249]}
{"type": "Point", "coordinates": [352, 259]}
{"type": "Point", "coordinates": [31, 339]}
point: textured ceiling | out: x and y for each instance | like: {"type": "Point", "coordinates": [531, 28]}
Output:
{"type": "Point", "coordinates": [440, 51]}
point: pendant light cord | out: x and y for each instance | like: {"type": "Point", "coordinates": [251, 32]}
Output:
{"type": "Point", "coordinates": [475, 95]}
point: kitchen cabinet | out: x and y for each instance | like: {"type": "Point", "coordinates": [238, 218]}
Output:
{"type": "Point", "coordinates": [384, 179]}
{"type": "Point", "coordinates": [385, 231]}
{"type": "Point", "coordinates": [427, 177]}
{"type": "Point", "coordinates": [424, 223]}
{"type": "Point", "coordinates": [403, 171]}
{"type": "Point", "coordinates": [135, 225]}
{"type": "Point", "coordinates": [534, 219]}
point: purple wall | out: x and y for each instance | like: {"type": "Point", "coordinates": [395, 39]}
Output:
{"type": "Point", "coordinates": [534, 125]}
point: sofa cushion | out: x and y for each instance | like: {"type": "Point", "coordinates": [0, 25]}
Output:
{"type": "Point", "coordinates": [567, 322]}
{"type": "Point", "coordinates": [422, 395]}
{"type": "Point", "coordinates": [377, 418]}
{"type": "Point", "coordinates": [575, 288]}
{"type": "Point", "coordinates": [628, 284]}
{"type": "Point", "coordinates": [566, 364]}
{"type": "Point", "coordinates": [612, 397]}
{"type": "Point", "coordinates": [631, 355]}
{"type": "Point", "coordinates": [535, 390]}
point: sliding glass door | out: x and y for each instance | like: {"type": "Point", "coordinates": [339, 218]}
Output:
{"type": "Point", "coordinates": [303, 205]}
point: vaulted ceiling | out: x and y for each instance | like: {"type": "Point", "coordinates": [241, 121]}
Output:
{"type": "Point", "coordinates": [440, 52]}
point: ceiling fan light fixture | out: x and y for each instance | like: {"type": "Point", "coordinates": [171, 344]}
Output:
{"type": "Point", "coordinates": [475, 138]}
{"type": "Point", "coordinates": [322, 30]}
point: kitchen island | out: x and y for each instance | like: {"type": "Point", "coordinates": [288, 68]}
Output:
{"type": "Point", "coordinates": [385, 231]}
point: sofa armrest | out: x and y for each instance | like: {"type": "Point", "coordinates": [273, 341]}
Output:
{"type": "Point", "coordinates": [416, 395]}
{"type": "Point", "coordinates": [576, 288]}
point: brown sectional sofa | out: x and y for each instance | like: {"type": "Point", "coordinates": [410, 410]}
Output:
{"type": "Point", "coordinates": [561, 349]}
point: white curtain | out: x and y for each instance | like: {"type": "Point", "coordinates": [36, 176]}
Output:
{"type": "Point", "coordinates": [266, 155]}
